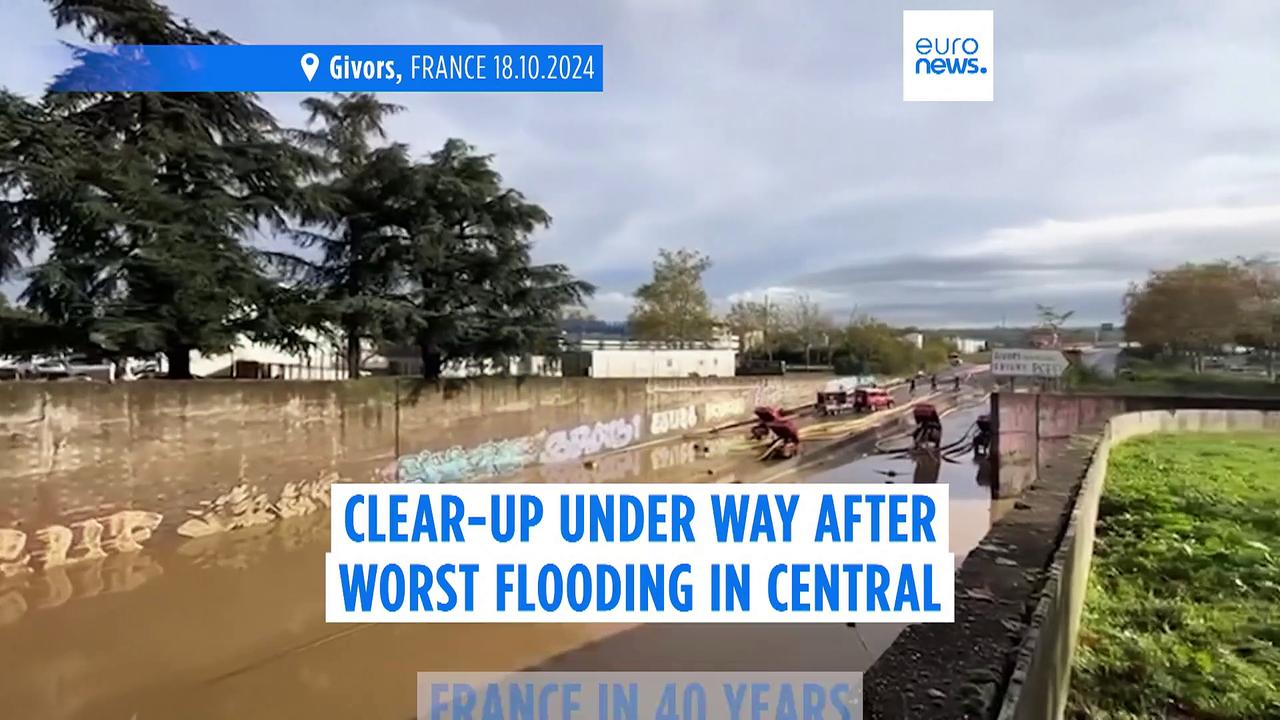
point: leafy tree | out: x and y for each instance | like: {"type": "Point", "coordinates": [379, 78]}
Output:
{"type": "Point", "coordinates": [870, 346]}
{"type": "Point", "coordinates": [355, 214]}
{"type": "Point", "coordinates": [1260, 321]}
{"type": "Point", "coordinates": [146, 199]}
{"type": "Point", "coordinates": [673, 306]}
{"type": "Point", "coordinates": [472, 288]}
{"type": "Point", "coordinates": [1191, 309]}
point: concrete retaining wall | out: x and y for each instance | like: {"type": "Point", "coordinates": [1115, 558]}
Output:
{"type": "Point", "coordinates": [113, 464]}
{"type": "Point", "coordinates": [1042, 674]}
{"type": "Point", "coordinates": [1031, 426]}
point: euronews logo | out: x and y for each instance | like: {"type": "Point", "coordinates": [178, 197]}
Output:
{"type": "Point", "coordinates": [948, 55]}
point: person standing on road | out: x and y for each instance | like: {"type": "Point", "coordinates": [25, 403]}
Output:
{"type": "Point", "coordinates": [911, 389]}
{"type": "Point", "coordinates": [957, 383]}
{"type": "Point", "coordinates": [933, 383]}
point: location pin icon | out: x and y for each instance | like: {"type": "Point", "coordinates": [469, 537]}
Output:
{"type": "Point", "coordinates": [309, 64]}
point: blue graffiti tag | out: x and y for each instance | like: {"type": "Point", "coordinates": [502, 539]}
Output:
{"type": "Point", "coordinates": [496, 457]}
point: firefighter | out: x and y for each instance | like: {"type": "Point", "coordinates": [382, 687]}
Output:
{"type": "Point", "coordinates": [982, 439]}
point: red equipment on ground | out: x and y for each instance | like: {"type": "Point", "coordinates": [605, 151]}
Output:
{"type": "Point", "coordinates": [928, 432]}
{"type": "Point", "coordinates": [786, 436]}
{"type": "Point", "coordinates": [765, 414]}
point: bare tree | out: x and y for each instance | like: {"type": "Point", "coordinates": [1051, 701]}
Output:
{"type": "Point", "coordinates": [1052, 320]}
{"type": "Point", "coordinates": [806, 320]}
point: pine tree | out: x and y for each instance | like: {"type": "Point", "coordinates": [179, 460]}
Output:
{"type": "Point", "coordinates": [147, 199]}
{"type": "Point", "coordinates": [356, 216]}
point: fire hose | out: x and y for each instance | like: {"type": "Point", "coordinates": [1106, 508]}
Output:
{"type": "Point", "coordinates": [964, 439]}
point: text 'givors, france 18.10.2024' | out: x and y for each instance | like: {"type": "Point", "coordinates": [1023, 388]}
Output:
{"type": "Point", "coordinates": [336, 68]}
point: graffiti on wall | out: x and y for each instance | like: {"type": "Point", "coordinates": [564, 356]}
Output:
{"type": "Point", "coordinates": [724, 410]}
{"type": "Point", "coordinates": [766, 394]}
{"type": "Point", "coordinates": [240, 550]}
{"type": "Point", "coordinates": [620, 467]}
{"type": "Point", "coordinates": [85, 575]}
{"type": "Point", "coordinates": [246, 506]}
{"type": "Point", "coordinates": [496, 457]}
{"type": "Point", "coordinates": [100, 553]}
{"type": "Point", "coordinates": [58, 545]}
{"type": "Point", "coordinates": [501, 457]}
{"type": "Point", "coordinates": [591, 438]}
{"type": "Point", "coordinates": [666, 421]}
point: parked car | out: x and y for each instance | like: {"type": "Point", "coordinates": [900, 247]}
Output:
{"type": "Point", "coordinates": [14, 369]}
{"type": "Point", "coordinates": [872, 399]}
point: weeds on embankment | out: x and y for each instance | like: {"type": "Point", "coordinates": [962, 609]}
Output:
{"type": "Point", "coordinates": [1182, 618]}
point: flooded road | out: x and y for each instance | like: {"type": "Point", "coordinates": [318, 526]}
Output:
{"type": "Point", "coordinates": [762, 647]}
{"type": "Point", "coordinates": [232, 625]}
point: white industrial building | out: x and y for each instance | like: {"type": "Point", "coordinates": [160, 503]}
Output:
{"type": "Point", "coordinates": [633, 359]}
{"type": "Point", "coordinates": [324, 360]}
{"type": "Point", "coordinates": [968, 346]}
{"type": "Point", "coordinates": [405, 363]}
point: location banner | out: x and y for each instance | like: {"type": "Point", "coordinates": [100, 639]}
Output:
{"type": "Point", "coordinates": [335, 68]}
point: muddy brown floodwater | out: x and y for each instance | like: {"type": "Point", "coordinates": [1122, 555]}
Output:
{"type": "Point", "coordinates": [232, 626]}
{"type": "Point", "coordinates": [818, 646]}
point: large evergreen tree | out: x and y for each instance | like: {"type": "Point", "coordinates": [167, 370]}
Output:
{"type": "Point", "coordinates": [474, 290]}
{"type": "Point", "coordinates": [146, 199]}
{"type": "Point", "coordinates": [355, 215]}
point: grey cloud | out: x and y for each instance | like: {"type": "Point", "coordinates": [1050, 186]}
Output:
{"type": "Point", "coordinates": [774, 137]}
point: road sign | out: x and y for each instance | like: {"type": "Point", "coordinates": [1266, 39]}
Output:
{"type": "Point", "coordinates": [1028, 363]}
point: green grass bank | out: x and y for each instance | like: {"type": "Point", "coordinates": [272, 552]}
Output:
{"type": "Point", "coordinates": [1182, 618]}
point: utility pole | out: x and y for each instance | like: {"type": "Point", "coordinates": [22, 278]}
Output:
{"type": "Point", "coordinates": [764, 332]}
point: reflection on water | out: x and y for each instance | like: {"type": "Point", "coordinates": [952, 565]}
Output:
{"type": "Point", "coordinates": [232, 624]}
{"type": "Point", "coordinates": [969, 479]}
{"type": "Point", "coordinates": [817, 646]}
{"type": "Point", "coordinates": [653, 464]}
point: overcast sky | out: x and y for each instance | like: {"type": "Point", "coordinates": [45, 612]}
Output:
{"type": "Point", "coordinates": [772, 136]}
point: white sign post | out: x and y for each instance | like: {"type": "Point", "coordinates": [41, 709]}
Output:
{"type": "Point", "coordinates": [1044, 364]}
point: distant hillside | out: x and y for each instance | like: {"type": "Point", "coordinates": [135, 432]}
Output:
{"type": "Point", "coordinates": [1019, 336]}
{"type": "Point", "coordinates": [592, 328]}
